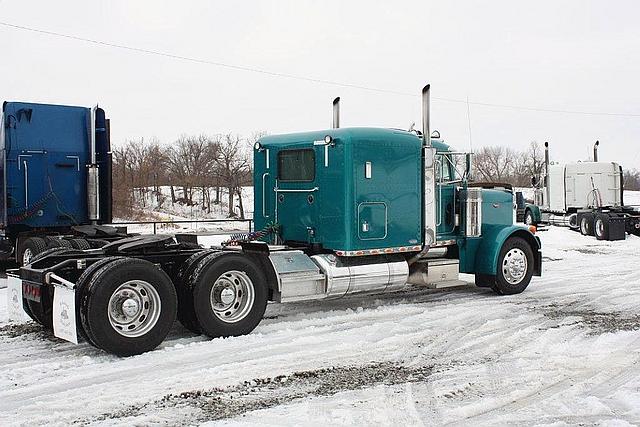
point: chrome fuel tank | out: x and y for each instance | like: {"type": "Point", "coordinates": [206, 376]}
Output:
{"type": "Point", "coordinates": [342, 279]}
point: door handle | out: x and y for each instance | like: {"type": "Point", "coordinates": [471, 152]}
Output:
{"type": "Point", "coordinates": [26, 184]}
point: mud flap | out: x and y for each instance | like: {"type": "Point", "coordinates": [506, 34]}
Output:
{"type": "Point", "coordinates": [64, 313]}
{"type": "Point", "coordinates": [15, 310]}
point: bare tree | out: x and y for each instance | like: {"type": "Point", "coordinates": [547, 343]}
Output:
{"type": "Point", "coordinates": [233, 168]}
{"type": "Point", "coordinates": [632, 180]}
{"type": "Point", "coordinates": [494, 164]}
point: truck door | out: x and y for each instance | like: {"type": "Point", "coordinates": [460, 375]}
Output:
{"type": "Point", "coordinates": [27, 194]}
{"type": "Point", "coordinates": [297, 191]}
{"type": "Point", "coordinates": [445, 196]}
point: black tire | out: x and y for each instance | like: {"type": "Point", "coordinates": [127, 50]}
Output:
{"type": "Point", "coordinates": [601, 226]}
{"type": "Point", "coordinates": [50, 251]}
{"type": "Point", "coordinates": [54, 243]}
{"type": "Point", "coordinates": [528, 218]}
{"type": "Point", "coordinates": [66, 243]}
{"type": "Point", "coordinates": [82, 298]}
{"type": "Point", "coordinates": [512, 248]}
{"type": "Point", "coordinates": [184, 289]}
{"type": "Point", "coordinates": [151, 282]}
{"type": "Point", "coordinates": [42, 311]}
{"type": "Point", "coordinates": [485, 280]}
{"type": "Point", "coordinates": [586, 224]}
{"type": "Point", "coordinates": [244, 273]}
{"type": "Point", "coordinates": [81, 244]}
{"type": "Point", "coordinates": [97, 243]}
{"type": "Point", "coordinates": [31, 246]}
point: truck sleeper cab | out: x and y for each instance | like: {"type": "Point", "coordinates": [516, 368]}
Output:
{"type": "Point", "coordinates": [586, 196]}
{"type": "Point", "coordinates": [55, 173]}
{"type": "Point", "coordinates": [338, 212]}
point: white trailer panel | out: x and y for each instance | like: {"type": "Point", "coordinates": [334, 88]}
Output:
{"type": "Point", "coordinates": [592, 184]}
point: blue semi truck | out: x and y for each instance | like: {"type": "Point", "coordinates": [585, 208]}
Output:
{"type": "Point", "coordinates": [341, 211]}
{"type": "Point", "coordinates": [55, 174]}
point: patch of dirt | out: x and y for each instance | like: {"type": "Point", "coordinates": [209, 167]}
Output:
{"type": "Point", "coordinates": [261, 393]}
{"type": "Point", "coordinates": [586, 250]}
{"type": "Point", "coordinates": [598, 322]}
{"type": "Point", "coordinates": [16, 330]}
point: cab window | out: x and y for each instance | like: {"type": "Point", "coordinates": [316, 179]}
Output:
{"type": "Point", "coordinates": [296, 165]}
{"type": "Point", "coordinates": [443, 168]}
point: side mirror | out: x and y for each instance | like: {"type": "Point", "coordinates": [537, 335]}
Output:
{"type": "Point", "coordinates": [468, 169]}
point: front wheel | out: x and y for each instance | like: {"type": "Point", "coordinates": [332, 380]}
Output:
{"type": "Point", "coordinates": [229, 295]}
{"type": "Point", "coordinates": [528, 218]}
{"type": "Point", "coordinates": [515, 267]}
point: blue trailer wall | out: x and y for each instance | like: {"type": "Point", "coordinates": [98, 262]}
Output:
{"type": "Point", "coordinates": [45, 151]}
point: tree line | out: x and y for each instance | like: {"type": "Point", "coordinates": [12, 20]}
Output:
{"type": "Point", "coordinates": [191, 166]}
{"type": "Point", "coordinates": [506, 165]}
{"type": "Point", "coordinates": [202, 165]}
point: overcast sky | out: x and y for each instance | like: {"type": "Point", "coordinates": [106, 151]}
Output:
{"type": "Point", "coordinates": [559, 55]}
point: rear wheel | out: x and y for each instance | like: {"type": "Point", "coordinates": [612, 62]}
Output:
{"type": "Point", "coordinates": [184, 285]}
{"type": "Point", "coordinates": [81, 244]}
{"type": "Point", "coordinates": [515, 267]}
{"type": "Point", "coordinates": [82, 298]}
{"type": "Point", "coordinates": [601, 227]}
{"type": "Point", "coordinates": [230, 295]}
{"type": "Point", "coordinates": [130, 306]}
{"type": "Point", "coordinates": [30, 247]}
{"type": "Point", "coordinates": [586, 225]}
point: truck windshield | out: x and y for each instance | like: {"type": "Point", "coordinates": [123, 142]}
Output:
{"type": "Point", "coordinates": [297, 165]}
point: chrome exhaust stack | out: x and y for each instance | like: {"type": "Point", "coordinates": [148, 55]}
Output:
{"type": "Point", "coordinates": [93, 176]}
{"type": "Point", "coordinates": [426, 112]}
{"type": "Point", "coordinates": [595, 151]}
{"type": "Point", "coordinates": [547, 189]}
{"type": "Point", "coordinates": [336, 113]}
{"type": "Point", "coordinates": [429, 177]}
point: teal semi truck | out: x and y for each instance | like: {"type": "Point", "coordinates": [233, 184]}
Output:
{"type": "Point", "coordinates": [337, 212]}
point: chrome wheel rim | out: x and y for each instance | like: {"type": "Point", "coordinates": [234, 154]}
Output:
{"type": "Point", "coordinates": [514, 266]}
{"type": "Point", "coordinates": [599, 227]}
{"type": "Point", "coordinates": [134, 308]}
{"type": "Point", "coordinates": [528, 219]}
{"type": "Point", "coordinates": [27, 256]}
{"type": "Point", "coordinates": [583, 226]}
{"type": "Point", "coordinates": [232, 296]}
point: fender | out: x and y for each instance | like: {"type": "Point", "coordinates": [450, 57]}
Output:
{"type": "Point", "coordinates": [535, 211]}
{"type": "Point", "coordinates": [486, 259]}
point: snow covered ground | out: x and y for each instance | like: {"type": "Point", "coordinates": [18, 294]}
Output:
{"type": "Point", "coordinates": [565, 352]}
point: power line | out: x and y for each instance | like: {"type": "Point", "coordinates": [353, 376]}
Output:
{"type": "Point", "coordinates": [303, 78]}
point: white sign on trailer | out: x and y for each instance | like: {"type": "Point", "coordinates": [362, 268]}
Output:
{"type": "Point", "coordinates": [64, 314]}
{"type": "Point", "coordinates": [14, 299]}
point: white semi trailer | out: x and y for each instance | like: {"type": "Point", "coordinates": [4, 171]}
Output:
{"type": "Point", "coordinates": [586, 196]}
